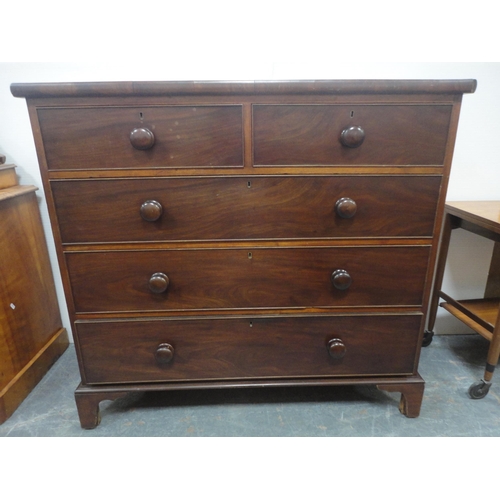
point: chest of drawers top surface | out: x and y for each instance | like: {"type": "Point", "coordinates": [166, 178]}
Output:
{"type": "Point", "coordinates": [253, 87]}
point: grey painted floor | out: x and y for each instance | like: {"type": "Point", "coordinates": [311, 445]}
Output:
{"type": "Point", "coordinates": [449, 365]}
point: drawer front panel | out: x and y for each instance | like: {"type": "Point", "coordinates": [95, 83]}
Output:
{"type": "Point", "coordinates": [236, 208]}
{"type": "Point", "coordinates": [247, 278]}
{"type": "Point", "coordinates": [101, 138]}
{"type": "Point", "coordinates": [170, 350]}
{"type": "Point", "coordinates": [300, 135]}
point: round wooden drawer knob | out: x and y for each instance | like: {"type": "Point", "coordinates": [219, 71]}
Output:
{"type": "Point", "coordinates": [341, 279]}
{"type": "Point", "coordinates": [158, 283]}
{"type": "Point", "coordinates": [142, 138]}
{"type": "Point", "coordinates": [164, 354]}
{"type": "Point", "coordinates": [336, 348]}
{"type": "Point", "coordinates": [346, 208]}
{"type": "Point", "coordinates": [151, 210]}
{"type": "Point", "coordinates": [352, 137]}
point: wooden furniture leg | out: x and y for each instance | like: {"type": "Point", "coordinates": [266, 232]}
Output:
{"type": "Point", "coordinates": [493, 354]}
{"type": "Point", "coordinates": [87, 403]}
{"type": "Point", "coordinates": [478, 390]}
{"type": "Point", "coordinates": [438, 280]}
{"type": "Point", "coordinates": [411, 396]}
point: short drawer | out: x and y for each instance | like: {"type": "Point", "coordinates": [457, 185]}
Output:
{"type": "Point", "coordinates": [247, 348]}
{"type": "Point", "coordinates": [198, 279]}
{"type": "Point", "coordinates": [239, 208]}
{"type": "Point", "coordinates": [132, 137]}
{"type": "Point", "coordinates": [361, 135]}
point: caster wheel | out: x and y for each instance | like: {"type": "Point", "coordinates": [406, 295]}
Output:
{"type": "Point", "coordinates": [479, 389]}
{"type": "Point", "coordinates": [428, 335]}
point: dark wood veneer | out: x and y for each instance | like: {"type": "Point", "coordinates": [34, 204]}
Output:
{"type": "Point", "coordinates": [311, 134]}
{"type": "Point", "coordinates": [237, 208]}
{"type": "Point", "coordinates": [118, 352]}
{"type": "Point", "coordinates": [211, 88]}
{"type": "Point", "coordinates": [247, 278]}
{"type": "Point", "coordinates": [100, 138]}
{"type": "Point", "coordinates": [246, 234]}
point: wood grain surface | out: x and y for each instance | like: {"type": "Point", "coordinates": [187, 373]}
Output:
{"type": "Point", "coordinates": [247, 348]}
{"type": "Point", "coordinates": [242, 208]}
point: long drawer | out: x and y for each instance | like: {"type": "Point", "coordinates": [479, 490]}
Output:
{"type": "Point", "coordinates": [187, 279]}
{"type": "Point", "coordinates": [301, 135]}
{"type": "Point", "coordinates": [235, 208]}
{"type": "Point", "coordinates": [247, 348]}
{"type": "Point", "coordinates": [132, 137]}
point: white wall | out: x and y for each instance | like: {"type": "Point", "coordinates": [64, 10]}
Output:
{"type": "Point", "coordinates": [476, 166]}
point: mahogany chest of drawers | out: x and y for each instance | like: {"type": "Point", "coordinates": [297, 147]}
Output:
{"type": "Point", "coordinates": [225, 234]}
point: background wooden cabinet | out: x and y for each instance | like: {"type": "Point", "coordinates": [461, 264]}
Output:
{"type": "Point", "coordinates": [31, 335]}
